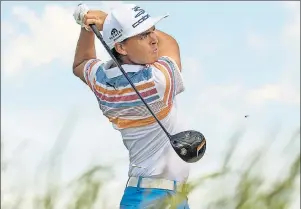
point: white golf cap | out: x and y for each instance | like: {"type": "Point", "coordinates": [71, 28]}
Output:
{"type": "Point", "coordinates": [126, 21]}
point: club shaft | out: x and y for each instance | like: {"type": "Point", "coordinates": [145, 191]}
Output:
{"type": "Point", "coordinates": [99, 36]}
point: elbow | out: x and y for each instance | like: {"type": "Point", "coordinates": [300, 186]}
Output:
{"type": "Point", "coordinates": [76, 65]}
{"type": "Point", "coordinates": [74, 69]}
{"type": "Point", "coordinates": [78, 69]}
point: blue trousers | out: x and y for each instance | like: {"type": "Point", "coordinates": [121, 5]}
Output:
{"type": "Point", "coordinates": [142, 198]}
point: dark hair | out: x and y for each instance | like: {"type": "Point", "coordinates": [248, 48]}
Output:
{"type": "Point", "coordinates": [117, 55]}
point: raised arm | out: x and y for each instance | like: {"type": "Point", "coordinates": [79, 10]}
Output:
{"type": "Point", "coordinates": [168, 46]}
{"type": "Point", "coordinates": [85, 49]}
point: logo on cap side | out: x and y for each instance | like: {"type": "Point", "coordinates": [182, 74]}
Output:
{"type": "Point", "coordinates": [139, 13]}
{"type": "Point", "coordinates": [115, 34]}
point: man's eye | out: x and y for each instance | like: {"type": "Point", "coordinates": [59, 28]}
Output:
{"type": "Point", "coordinates": [143, 36]}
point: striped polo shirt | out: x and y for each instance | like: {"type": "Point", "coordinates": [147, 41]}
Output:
{"type": "Point", "coordinates": [150, 152]}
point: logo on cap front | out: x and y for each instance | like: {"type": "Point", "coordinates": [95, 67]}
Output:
{"type": "Point", "coordinates": [139, 11]}
{"type": "Point", "coordinates": [115, 34]}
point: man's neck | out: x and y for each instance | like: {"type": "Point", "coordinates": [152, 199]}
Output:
{"type": "Point", "coordinates": [124, 61]}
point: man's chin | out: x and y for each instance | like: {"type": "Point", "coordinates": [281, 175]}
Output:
{"type": "Point", "coordinates": [155, 58]}
{"type": "Point", "coordinates": [152, 59]}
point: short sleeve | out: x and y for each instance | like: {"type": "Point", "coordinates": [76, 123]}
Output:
{"type": "Point", "coordinates": [176, 74]}
{"type": "Point", "coordinates": [90, 70]}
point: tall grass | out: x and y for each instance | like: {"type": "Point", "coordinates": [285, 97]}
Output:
{"type": "Point", "coordinates": [249, 191]}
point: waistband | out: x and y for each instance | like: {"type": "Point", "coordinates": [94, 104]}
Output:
{"type": "Point", "coordinates": [156, 183]}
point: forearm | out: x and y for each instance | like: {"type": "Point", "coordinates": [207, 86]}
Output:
{"type": "Point", "coordinates": [168, 46]}
{"type": "Point", "coordinates": [165, 41]}
{"type": "Point", "coordinates": [85, 48]}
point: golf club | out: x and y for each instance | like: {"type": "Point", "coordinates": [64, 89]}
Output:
{"type": "Point", "coordinates": [189, 145]}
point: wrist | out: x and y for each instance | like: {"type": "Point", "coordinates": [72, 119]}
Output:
{"type": "Point", "coordinates": [87, 35]}
{"type": "Point", "coordinates": [86, 31]}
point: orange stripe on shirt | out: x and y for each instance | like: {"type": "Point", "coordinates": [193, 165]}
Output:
{"type": "Point", "coordinates": [126, 123]}
{"type": "Point", "coordinates": [122, 91]}
{"type": "Point", "coordinates": [167, 79]}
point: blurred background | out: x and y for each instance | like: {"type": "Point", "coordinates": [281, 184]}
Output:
{"type": "Point", "coordinates": [241, 68]}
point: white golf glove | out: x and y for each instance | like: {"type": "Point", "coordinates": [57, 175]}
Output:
{"type": "Point", "coordinates": [79, 13]}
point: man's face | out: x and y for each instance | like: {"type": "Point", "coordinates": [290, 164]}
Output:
{"type": "Point", "coordinates": [142, 48]}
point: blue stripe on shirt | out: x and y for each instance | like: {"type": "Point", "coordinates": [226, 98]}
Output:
{"type": "Point", "coordinates": [121, 81]}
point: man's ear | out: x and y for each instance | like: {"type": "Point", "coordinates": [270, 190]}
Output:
{"type": "Point", "coordinates": [120, 48]}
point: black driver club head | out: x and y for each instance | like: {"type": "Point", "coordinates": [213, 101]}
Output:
{"type": "Point", "coordinates": [189, 145]}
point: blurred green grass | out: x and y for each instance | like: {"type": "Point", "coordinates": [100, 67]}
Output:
{"type": "Point", "coordinates": [250, 191]}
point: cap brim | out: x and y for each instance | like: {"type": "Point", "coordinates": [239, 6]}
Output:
{"type": "Point", "coordinates": [158, 19]}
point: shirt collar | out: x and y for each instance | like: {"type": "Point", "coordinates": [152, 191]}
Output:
{"type": "Point", "coordinates": [115, 71]}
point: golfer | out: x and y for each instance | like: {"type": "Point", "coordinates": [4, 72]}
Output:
{"type": "Point", "coordinates": [151, 59]}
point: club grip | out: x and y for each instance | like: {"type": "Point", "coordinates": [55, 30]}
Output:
{"type": "Point", "coordinates": [95, 30]}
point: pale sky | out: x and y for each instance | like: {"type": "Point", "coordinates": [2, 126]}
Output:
{"type": "Point", "coordinates": [238, 58]}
